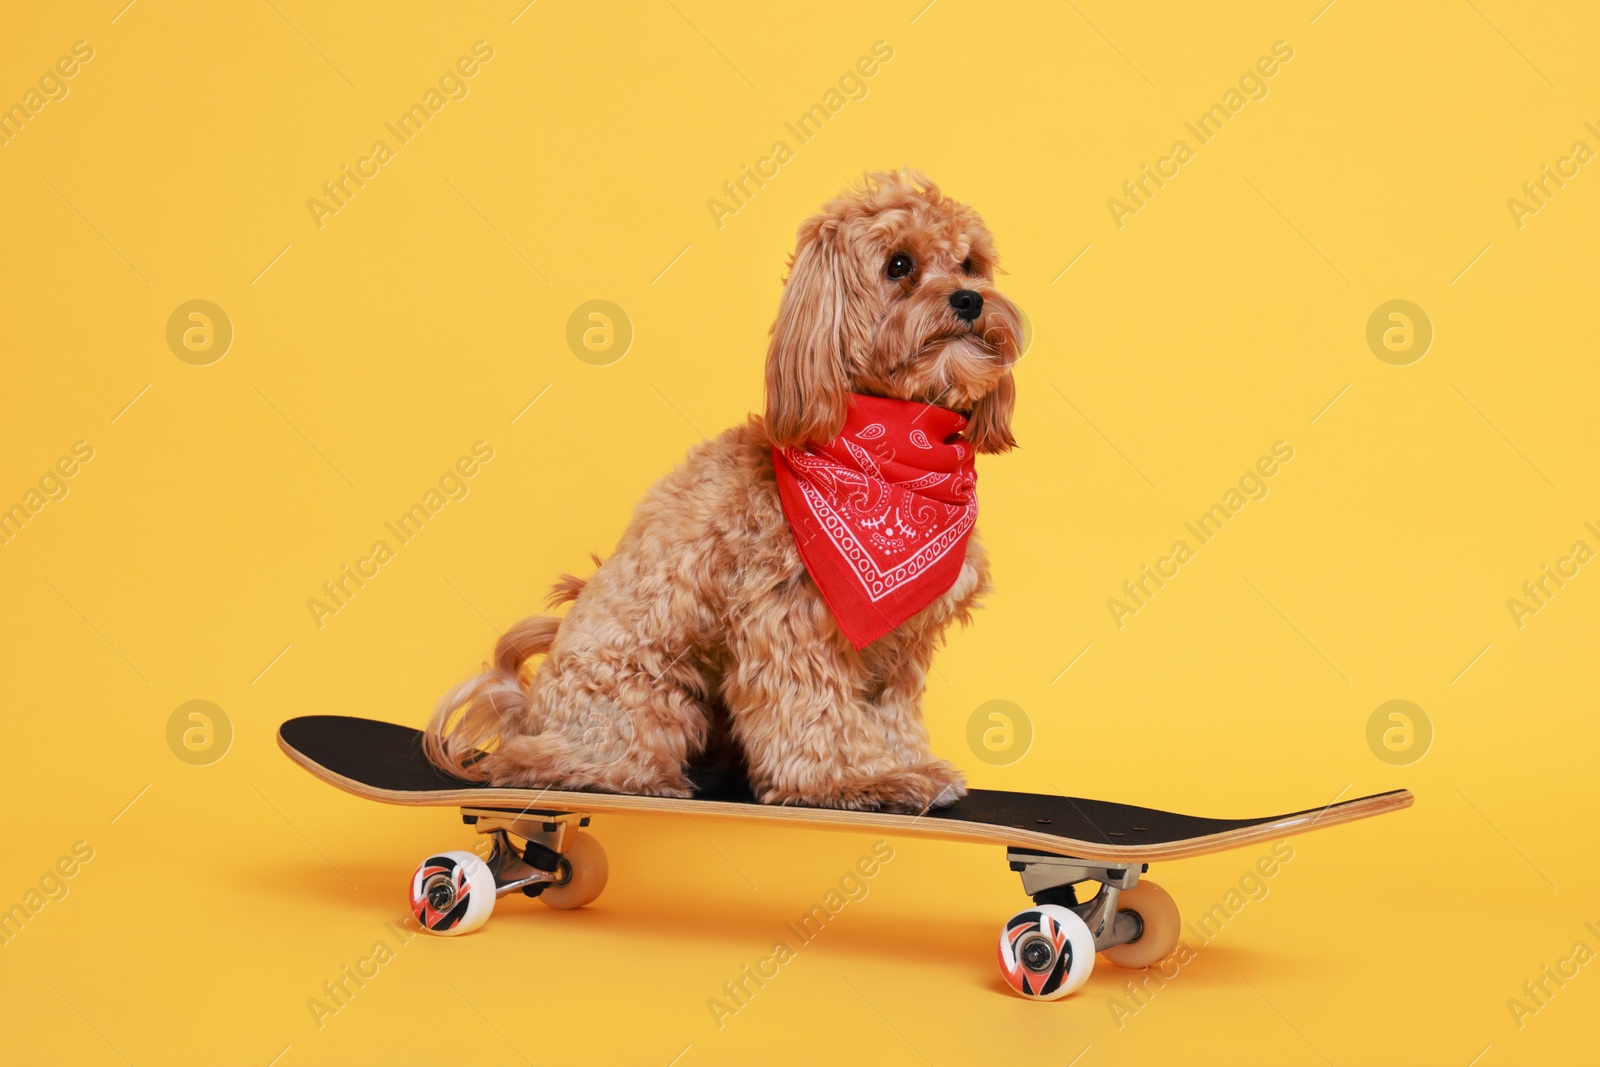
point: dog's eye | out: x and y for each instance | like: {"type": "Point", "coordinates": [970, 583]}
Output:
{"type": "Point", "coordinates": [966, 265]}
{"type": "Point", "coordinates": [899, 266]}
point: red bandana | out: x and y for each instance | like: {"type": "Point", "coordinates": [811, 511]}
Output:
{"type": "Point", "coordinates": [882, 513]}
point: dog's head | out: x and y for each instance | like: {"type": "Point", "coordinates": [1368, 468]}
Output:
{"type": "Point", "coordinates": [891, 292]}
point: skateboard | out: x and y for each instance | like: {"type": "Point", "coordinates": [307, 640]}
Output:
{"type": "Point", "coordinates": [1056, 843]}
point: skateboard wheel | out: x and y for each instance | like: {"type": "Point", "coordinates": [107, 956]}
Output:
{"type": "Point", "coordinates": [452, 893]}
{"type": "Point", "coordinates": [1045, 952]}
{"type": "Point", "coordinates": [1158, 915]}
{"type": "Point", "coordinates": [585, 869]}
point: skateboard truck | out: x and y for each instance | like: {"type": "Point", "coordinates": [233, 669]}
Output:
{"type": "Point", "coordinates": [543, 853]}
{"type": "Point", "coordinates": [540, 863]}
{"type": "Point", "coordinates": [1049, 879]}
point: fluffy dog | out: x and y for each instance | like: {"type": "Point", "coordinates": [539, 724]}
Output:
{"type": "Point", "coordinates": [704, 633]}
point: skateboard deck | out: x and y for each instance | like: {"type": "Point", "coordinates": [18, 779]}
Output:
{"type": "Point", "coordinates": [1055, 843]}
{"type": "Point", "coordinates": [383, 761]}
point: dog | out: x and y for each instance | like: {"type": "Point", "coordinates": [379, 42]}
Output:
{"type": "Point", "coordinates": [706, 634]}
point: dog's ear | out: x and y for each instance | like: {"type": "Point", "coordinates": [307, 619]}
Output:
{"type": "Point", "coordinates": [807, 388]}
{"type": "Point", "coordinates": [989, 428]}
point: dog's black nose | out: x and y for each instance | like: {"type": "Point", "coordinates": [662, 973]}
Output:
{"type": "Point", "coordinates": [966, 304]}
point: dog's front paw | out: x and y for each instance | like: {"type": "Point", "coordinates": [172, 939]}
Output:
{"type": "Point", "coordinates": [951, 783]}
{"type": "Point", "coordinates": [912, 790]}
{"type": "Point", "coordinates": [907, 790]}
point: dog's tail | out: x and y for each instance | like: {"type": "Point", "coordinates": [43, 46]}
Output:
{"type": "Point", "coordinates": [473, 716]}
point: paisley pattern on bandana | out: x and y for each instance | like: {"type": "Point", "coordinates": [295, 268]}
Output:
{"type": "Point", "coordinates": [882, 513]}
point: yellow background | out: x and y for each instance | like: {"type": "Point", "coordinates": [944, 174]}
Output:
{"type": "Point", "coordinates": [430, 311]}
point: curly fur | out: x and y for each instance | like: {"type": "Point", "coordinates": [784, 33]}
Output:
{"type": "Point", "coordinates": [703, 634]}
